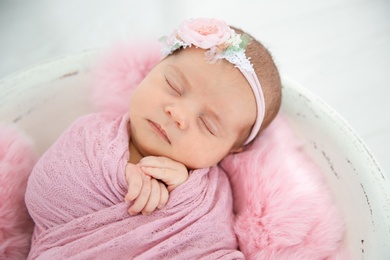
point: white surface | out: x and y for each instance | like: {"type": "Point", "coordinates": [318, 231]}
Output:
{"type": "Point", "coordinates": [338, 49]}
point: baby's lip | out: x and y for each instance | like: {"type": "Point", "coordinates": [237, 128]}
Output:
{"type": "Point", "coordinates": [159, 131]}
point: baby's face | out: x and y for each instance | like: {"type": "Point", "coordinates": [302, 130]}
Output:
{"type": "Point", "coordinates": [191, 111]}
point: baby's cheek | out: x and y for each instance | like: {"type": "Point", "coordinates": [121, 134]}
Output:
{"type": "Point", "coordinates": [204, 159]}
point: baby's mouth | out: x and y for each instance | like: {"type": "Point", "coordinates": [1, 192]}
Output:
{"type": "Point", "coordinates": [159, 131]}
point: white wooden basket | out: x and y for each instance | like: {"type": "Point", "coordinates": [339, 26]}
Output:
{"type": "Point", "coordinates": [46, 98]}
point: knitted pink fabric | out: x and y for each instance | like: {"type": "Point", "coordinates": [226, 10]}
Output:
{"type": "Point", "coordinates": [75, 196]}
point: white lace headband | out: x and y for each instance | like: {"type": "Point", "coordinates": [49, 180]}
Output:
{"type": "Point", "coordinates": [222, 42]}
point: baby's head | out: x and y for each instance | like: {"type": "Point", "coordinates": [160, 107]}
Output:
{"type": "Point", "coordinates": [204, 100]}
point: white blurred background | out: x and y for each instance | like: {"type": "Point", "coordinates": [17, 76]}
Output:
{"type": "Point", "coordinates": [338, 49]}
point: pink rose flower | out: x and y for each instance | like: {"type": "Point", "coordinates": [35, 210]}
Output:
{"type": "Point", "coordinates": [204, 33]}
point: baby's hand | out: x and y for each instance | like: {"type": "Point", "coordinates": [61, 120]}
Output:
{"type": "Point", "coordinates": [147, 193]}
{"type": "Point", "coordinates": [171, 172]}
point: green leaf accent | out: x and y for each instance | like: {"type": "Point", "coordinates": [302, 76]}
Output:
{"type": "Point", "coordinates": [245, 39]}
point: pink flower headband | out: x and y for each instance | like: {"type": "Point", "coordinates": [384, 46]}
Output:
{"type": "Point", "coordinates": [222, 42]}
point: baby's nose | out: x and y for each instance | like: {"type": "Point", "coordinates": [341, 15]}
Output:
{"type": "Point", "coordinates": [178, 115]}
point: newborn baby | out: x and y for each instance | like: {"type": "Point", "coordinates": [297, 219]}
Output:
{"type": "Point", "coordinates": [200, 103]}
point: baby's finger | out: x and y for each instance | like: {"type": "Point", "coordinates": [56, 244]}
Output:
{"type": "Point", "coordinates": [142, 198]}
{"type": "Point", "coordinates": [158, 162]}
{"type": "Point", "coordinates": [154, 198]}
{"type": "Point", "coordinates": [134, 181]}
{"type": "Point", "coordinates": [164, 195]}
{"type": "Point", "coordinates": [170, 177]}
{"type": "Point", "coordinates": [157, 173]}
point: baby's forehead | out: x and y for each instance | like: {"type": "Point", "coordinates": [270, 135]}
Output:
{"type": "Point", "coordinates": [198, 58]}
{"type": "Point", "coordinates": [194, 65]}
{"type": "Point", "coordinates": [189, 62]}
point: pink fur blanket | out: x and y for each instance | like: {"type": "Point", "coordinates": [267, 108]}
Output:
{"type": "Point", "coordinates": [75, 196]}
{"type": "Point", "coordinates": [284, 209]}
{"type": "Point", "coordinates": [17, 158]}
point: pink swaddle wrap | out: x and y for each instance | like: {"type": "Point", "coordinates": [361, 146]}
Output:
{"type": "Point", "coordinates": [76, 195]}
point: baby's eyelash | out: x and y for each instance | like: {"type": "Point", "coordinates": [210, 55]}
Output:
{"type": "Point", "coordinates": [172, 87]}
{"type": "Point", "coordinates": [206, 124]}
